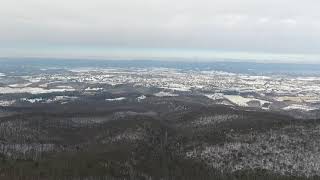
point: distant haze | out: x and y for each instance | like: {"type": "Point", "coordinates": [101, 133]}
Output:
{"type": "Point", "coordinates": [252, 30]}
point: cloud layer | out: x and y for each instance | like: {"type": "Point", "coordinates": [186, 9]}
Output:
{"type": "Point", "coordinates": [273, 26]}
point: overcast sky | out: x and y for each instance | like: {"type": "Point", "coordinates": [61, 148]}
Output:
{"type": "Point", "coordinates": [285, 30]}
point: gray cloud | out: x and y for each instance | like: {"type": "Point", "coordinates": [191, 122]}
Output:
{"type": "Point", "coordinates": [273, 26]}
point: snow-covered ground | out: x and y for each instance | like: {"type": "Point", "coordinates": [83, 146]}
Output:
{"type": "Point", "coordinates": [140, 98]}
{"type": "Point", "coordinates": [20, 85]}
{"type": "Point", "coordinates": [117, 99]}
{"type": "Point", "coordinates": [165, 94]}
{"type": "Point", "coordinates": [31, 90]}
{"type": "Point", "coordinates": [33, 100]}
{"type": "Point", "coordinates": [93, 89]}
{"type": "Point", "coordinates": [50, 100]}
{"type": "Point", "coordinates": [215, 96]}
{"type": "Point", "coordinates": [7, 103]}
{"type": "Point", "coordinates": [177, 87]}
{"type": "Point", "coordinates": [215, 85]}
{"type": "Point", "coordinates": [299, 107]}
{"type": "Point", "coordinates": [242, 101]}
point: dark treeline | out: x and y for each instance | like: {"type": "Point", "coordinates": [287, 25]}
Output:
{"type": "Point", "coordinates": [150, 140]}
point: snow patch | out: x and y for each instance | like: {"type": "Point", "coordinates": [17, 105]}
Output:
{"type": "Point", "coordinates": [31, 90]}
{"type": "Point", "coordinates": [50, 100]}
{"type": "Point", "coordinates": [93, 89]}
{"type": "Point", "coordinates": [215, 96]}
{"type": "Point", "coordinates": [64, 87]}
{"type": "Point", "coordinates": [141, 98]}
{"type": "Point", "coordinates": [59, 98]}
{"type": "Point", "coordinates": [34, 100]}
{"type": "Point", "coordinates": [20, 85]}
{"type": "Point", "coordinates": [177, 87]}
{"type": "Point", "coordinates": [241, 101]}
{"type": "Point", "coordinates": [299, 107]}
{"type": "Point", "coordinates": [116, 99]}
{"type": "Point", "coordinates": [165, 94]}
{"type": "Point", "coordinates": [7, 103]}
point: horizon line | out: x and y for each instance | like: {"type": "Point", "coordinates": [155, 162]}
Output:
{"type": "Point", "coordinates": [183, 60]}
